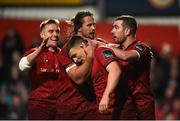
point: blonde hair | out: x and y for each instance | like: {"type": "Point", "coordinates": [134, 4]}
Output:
{"type": "Point", "coordinates": [49, 21]}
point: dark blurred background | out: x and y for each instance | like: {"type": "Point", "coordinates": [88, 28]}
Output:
{"type": "Point", "coordinates": [159, 26]}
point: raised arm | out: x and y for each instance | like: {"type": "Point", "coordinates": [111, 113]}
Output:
{"type": "Point", "coordinates": [26, 61]}
{"type": "Point", "coordinates": [79, 73]}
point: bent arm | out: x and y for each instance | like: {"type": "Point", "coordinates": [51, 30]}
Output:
{"type": "Point", "coordinates": [26, 61]}
{"type": "Point", "coordinates": [128, 55]}
{"type": "Point", "coordinates": [80, 73]}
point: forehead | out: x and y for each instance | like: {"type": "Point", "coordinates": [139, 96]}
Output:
{"type": "Point", "coordinates": [51, 25]}
{"type": "Point", "coordinates": [73, 51]}
{"type": "Point", "coordinates": [88, 19]}
{"type": "Point", "coordinates": [118, 23]}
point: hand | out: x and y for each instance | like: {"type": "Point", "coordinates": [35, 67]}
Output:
{"type": "Point", "coordinates": [103, 105]}
{"type": "Point", "coordinates": [44, 43]}
{"type": "Point", "coordinates": [101, 42]}
{"type": "Point", "coordinates": [111, 45]}
{"type": "Point", "coordinates": [89, 48]}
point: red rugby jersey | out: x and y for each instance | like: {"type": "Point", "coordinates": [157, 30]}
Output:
{"type": "Point", "coordinates": [103, 56]}
{"type": "Point", "coordinates": [138, 76]}
{"type": "Point", "coordinates": [45, 75]}
{"type": "Point", "coordinates": [74, 98]}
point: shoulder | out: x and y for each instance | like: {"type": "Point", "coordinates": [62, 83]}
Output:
{"type": "Point", "coordinates": [142, 44]}
{"type": "Point", "coordinates": [64, 51]}
{"type": "Point", "coordinates": [104, 51]}
{"type": "Point", "coordinates": [143, 49]}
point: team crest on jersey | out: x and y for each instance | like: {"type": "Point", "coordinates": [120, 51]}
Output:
{"type": "Point", "coordinates": [139, 47]}
{"type": "Point", "coordinates": [108, 54]}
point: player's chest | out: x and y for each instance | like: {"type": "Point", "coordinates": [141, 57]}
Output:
{"type": "Point", "coordinates": [98, 71]}
{"type": "Point", "coordinates": [48, 62]}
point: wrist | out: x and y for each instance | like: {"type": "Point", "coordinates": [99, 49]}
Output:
{"type": "Point", "coordinates": [40, 48]}
{"type": "Point", "coordinates": [105, 94]}
{"type": "Point", "coordinates": [89, 57]}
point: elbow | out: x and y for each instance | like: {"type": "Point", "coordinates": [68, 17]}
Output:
{"type": "Point", "coordinates": [76, 79]}
{"type": "Point", "coordinates": [77, 76]}
{"type": "Point", "coordinates": [24, 64]}
{"type": "Point", "coordinates": [124, 58]}
{"type": "Point", "coordinates": [79, 81]}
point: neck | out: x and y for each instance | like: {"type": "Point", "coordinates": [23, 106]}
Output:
{"type": "Point", "coordinates": [129, 40]}
{"type": "Point", "coordinates": [79, 34]}
{"type": "Point", "coordinates": [52, 49]}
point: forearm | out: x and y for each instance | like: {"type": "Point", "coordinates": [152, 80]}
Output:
{"type": "Point", "coordinates": [32, 56]}
{"type": "Point", "coordinates": [129, 55]}
{"type": "Point", "coordinates": [119, 53]}
{"type": "Point", "coordinates": [112, 81]}
{"type": "Point", "coordinates": [26, 61]}
{"type": "Point", "coordinates": [80, 73]}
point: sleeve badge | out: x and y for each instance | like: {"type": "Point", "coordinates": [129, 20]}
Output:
{"type": "Point", "coordinates": [139, 47]}
{"type": "Point", "coordinates": [107, 54]}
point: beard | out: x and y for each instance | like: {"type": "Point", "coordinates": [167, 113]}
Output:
{"type": "Point", "coordinates": [120, 40]}
{"type": "Point", "coordinates": [90, 36]}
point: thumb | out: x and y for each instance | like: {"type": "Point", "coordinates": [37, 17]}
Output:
{"type": "Point", "coordinates": [83, 45]}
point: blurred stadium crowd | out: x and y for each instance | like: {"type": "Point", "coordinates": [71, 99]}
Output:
{"type": "Point", "coordinates": [14, 85]}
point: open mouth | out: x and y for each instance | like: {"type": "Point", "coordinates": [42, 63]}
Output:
{"type": "Point", "coordinates": [79, 63]}
{"type": "Point", "coordinates": [114, 37]}
{"type": "Point", "coordinates": [54, 39]}
{"type": "Point", "coordinates": [92, 33]}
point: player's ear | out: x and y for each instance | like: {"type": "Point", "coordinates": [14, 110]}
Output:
{"type": "Point", "coordinates": [42, 35]}
{"type": "Point", "coordinates": [80, 29]}
{"type": "Point", "coordinates": [127, 31]}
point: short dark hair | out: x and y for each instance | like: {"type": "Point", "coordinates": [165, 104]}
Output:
{"type": "Point", "coordinates": [49, 21]}
{"type": "Point", "coordinates": [74, 41]}
{"type": "Point", "coordinates": [129, 21]}
{"type": "Point", "coordinates": [78, 19]}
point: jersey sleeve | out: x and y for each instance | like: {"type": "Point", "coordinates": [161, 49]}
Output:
{"type": "Point", "coordinates": [143, 50]}
{"type": "Point", "coordinates": [105, 56]}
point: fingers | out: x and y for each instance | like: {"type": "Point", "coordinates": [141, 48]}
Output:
{"type": "Point", "coordinates": [89, 48]}
{"type": "Point", "coordinates": [112, 45]}
{"type": "Point", "coordinates": [83, 45]}
{"type": "Point", "coordinates": [44, 42]}
{"type": "Point", "coordinates": [92, 42]}
{"type": "Point", "coordinates": [101, 40]}
{"type": "Point", "coordinates": [103, 108]}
